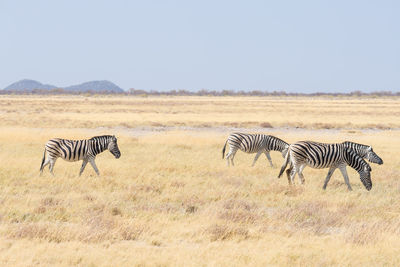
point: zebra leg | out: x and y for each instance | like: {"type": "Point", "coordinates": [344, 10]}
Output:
{"type": "Point", "coordinates": [300, 172]}
{"type": "Point", "coordinates": [269, 158]}
{"type": "Point", "coordinates": [85, 161]}
{"type": "Point", "coordinates": [52, 163]}
{"type": "Point", "coordinates": [233, 153]}
{"type": "Point", "coordinates": [288, 171]}
{"type": "Point", "coordinates": [47, 162]}
{"type": "Point", "coordinates": [256, 158]}
{"type": "Point", "coordinates": [230, 154]}
{"type": "Point", "coordinates": [328, 177]}
{"type": "Point", "coordinates": [346, 177]}
{"type": "Point", "coordinates": [227, 158]}
{"type": "Point", "coordinates": [292, 174]}
{"type": "Point", "coordinates": [94, 166]}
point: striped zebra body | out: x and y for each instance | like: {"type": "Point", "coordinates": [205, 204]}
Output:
{"type": "Point", "coordinates": [320, 155]}
{"type": "Point", "coordinates": [75, 150]}
{"type": "Point", "coordinates": [253, 143]}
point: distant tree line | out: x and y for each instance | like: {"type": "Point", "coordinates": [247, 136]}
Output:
{"type": "Point", "coordinates": [203, 92]}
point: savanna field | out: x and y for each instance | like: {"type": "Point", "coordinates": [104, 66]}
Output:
{"type": "Point", "coordinates": [171, 199]}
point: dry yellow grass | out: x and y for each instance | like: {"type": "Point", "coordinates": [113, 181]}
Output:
{"type": "Point", "coordinates": [107, 111]}
{"type": "Point", "coordinates": [171, 200]}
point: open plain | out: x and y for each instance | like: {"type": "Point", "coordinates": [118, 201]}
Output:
{"type": "Point", "coordinates": [171, 200]}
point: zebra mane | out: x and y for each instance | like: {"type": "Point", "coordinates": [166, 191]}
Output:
{"type": "Point", "coordinates": [355, 145]}
{"type": "Point", "coordinates": [101, 137]}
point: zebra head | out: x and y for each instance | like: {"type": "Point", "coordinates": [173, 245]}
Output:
{"type": "Point", "coordinates": [365, 176]}
{"type": "Point", "coordinates": [372, 156]}
{"type": "Point", "coordinates": [361, 166]}
{"type": "Point", "coordinates": [113, 147]}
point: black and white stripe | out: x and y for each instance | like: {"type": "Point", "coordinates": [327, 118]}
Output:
{"type": "Point", "coordinates": [320, 155]}
{"type": "Point", "coordinates": [364, 151]}
{"type": "Point", "coordinates": [254, 143]}
{"type": "Point", "coordinates": [75, 150]}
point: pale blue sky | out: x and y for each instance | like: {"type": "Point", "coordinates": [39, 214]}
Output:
{"type": "Point", "coordinates": [296, 46]}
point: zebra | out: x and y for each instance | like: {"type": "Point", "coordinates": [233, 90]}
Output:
{"type": "Point", "coordinates": [75, 150]}
{"type": "Point", "coordinates": [254, 143]}
{"type": "Point", "coordinates": [332, 156]}
{"type": "Point", "coordinates": [364, 151]}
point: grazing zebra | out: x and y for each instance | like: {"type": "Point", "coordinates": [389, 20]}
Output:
{"type": "Point", "coordinates": [332, 156]}
{"type": "Point", "coordinates": [74, 150]}
{"type": "Point", "coordinates": [254, 143]}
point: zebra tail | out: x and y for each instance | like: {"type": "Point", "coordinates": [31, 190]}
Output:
{"type": "Point", "coordinates": [287, 159]}
{"type": "Point", "coordinates": [44, 157]}
{"type": "Point", "coordinates": [223, 150]}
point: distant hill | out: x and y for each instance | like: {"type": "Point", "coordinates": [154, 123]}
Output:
{"type": "Point", "coordinates": [99, 86]}
{"type": "Point", "coordinates": [28, 85]}
{"type": "Point", "coordinates": [94, 86]}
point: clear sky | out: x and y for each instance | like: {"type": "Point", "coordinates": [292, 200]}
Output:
{"type": "Point", "coordinates": [296, 46]}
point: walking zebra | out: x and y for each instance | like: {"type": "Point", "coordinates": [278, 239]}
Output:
{"type": "Point", "coordinates": [75, 150]}
{"type": "Point", "coordinates": [332, 156]}
{"type": "Point", "coordinates": [254, 143]}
